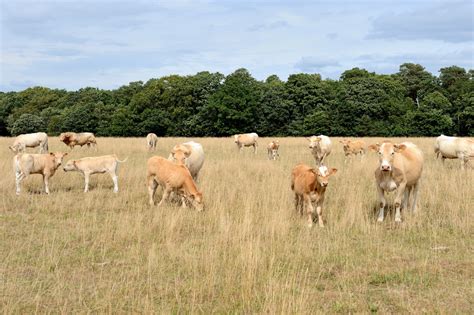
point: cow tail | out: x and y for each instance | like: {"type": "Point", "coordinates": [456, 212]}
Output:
{"type": "Point", "coordinates": [125, 160]}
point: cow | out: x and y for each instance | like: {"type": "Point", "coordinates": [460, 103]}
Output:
{"type": "Point", "coordinates": [309, 185]}
{"type": "Point", "coordinates": [454, 148]}
{"type": "Point", "coordinates": [246, 140]}
{"type": "Point", "coordinates": [189, 154]}
{"type": "Point", "coordinates": [173, 178]}
{"type": "Point", "coordinates": [151, 140]}
{"type": "Point", "coordinates": [353, 147]}
{"type": "Point", "coordinates": [30, 140]}
{"type": "Point", "coordinates": [72, 139]}
{"type": "Point", "coordinates": [400, 168]}
{"type": "Point", "coordinates": [320, 147]}
{"type": "Point", "coordinates": [45, 164]}
{"type": "Point", "coordinates": [272, 150]}
{"type": "Point", "coordinates": [95, 165]}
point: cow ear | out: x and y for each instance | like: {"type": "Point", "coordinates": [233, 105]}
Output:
{"type": "Point", "coordinates": [374, 147]}
{"type": "Point", "coordinates": [187, 153]}
{"type": "Point", "coordinates": [399, 147]}
{"type": "Point", "coordinates": [65, 154]}
{"type": "Point", "coordinates": [51, 153]}
{"type": "Point", "coordinates": [332, 171]}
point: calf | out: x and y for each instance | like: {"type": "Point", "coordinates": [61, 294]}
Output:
{"type": "Point", "coordinates": [320, 147]}
{"type": "Point", "coordinates": [151, 140]}
{"type": "Point", "coordinates": [309, 185]}
{"type": "Point", "coordinates": [172, 177]}
{"type": "Point", "coordinates": [72, 139]}
{"type": "Point", "coordinates": [44, 164]}
{"type": "Point", "coordinates": [400, 168]}
{"type": "Point", "coordinates": [95, 165]}
{"type": "Point", "coordinates": [454, 148]}
{"type": "Point", "coordinates": [353, 147]}
{"type": "Point", "coordinates": [30, 140]}
{"type": "Point", "coordinates": [246, 140]}
{"type": "Point", "coordinates": [272, 150]}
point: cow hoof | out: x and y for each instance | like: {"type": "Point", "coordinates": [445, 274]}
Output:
{"type": "Point", "coordinates": [310, 225]}
{"type": "Point", "coordinates": [398, 220]}
{"type": "Point", "coordinates": [380, 220]}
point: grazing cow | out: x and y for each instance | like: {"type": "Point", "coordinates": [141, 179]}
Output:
{"type": "Point", "coordinates": [44, 164]}
{"type": "Point", "coordinates": [95, 165]}
{"type": "Point", "coordinates": [272, 150]}
{"type": "Point", "coordinates": [72, 139]}
{"type": "Point", "coordinates": [400, 169]}
{"type": "Point", "coordinates": [172, 177]}
{"type": "Point", "coordinates": [309, 185]}
{"type": "Point", "coordinates": [189, 154]}
{"type": "Point", "coordinates": [151, 140]}
{"type": "Point", "coordinates": [246, 140]}
{"type": "Point", "coordinates": [353, 147]}
{"type": "Point", "coordinates": [30, 140]}
{"type": "Point", "coordinates": [320, 147]}
{"type": "Point", "coordinates": [454, 148]}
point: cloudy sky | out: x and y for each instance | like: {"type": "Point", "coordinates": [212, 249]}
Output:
{"type": "Point", "coordinates": [107, 43]}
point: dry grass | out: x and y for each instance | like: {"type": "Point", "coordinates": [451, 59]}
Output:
{"type": "Point", "coordinates": [247, 253]}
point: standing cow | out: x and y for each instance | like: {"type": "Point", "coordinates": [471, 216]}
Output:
{"type": "Point", "coordinates": [272, 150]}
{"type": "Point", "coordinates": [353, 147]}
{"type": "Point", "coordinates": [72, 139]}
{"type": "Point", "coordinates": [454, 148]}
{"type": "Point", "coordinates": [30, 140]}
{"type": "Point", "coordinates": [151, 140]}
{"type": "Point", "coordinates": [246, 140]}
{"type": "Point", "coordinates": [400, 168]}
{"type": "Point", "coordinates": [44, 164]}
{"type": "Point", "coordinates": [320, 147]}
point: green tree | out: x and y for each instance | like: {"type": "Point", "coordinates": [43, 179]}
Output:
{"type": "Point", "coordinates": [27, 123]}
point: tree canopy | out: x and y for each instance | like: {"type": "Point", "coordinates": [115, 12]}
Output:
{"type": "Point", "coordinates": [411, 102]}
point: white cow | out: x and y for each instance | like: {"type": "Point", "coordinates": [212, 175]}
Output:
{"type": "Point", "coordinates": [30, 140]}
{"type": "Point", "coordinates": [320, 147]}
{"type": "Point", "coordinates": [190, 154]}
{"type": "Point", "coordinates": [454, 148]}
{"type": "Point", "coordinates": [246, 140]}
{"type": "Point", "coordinates": [151, 140]}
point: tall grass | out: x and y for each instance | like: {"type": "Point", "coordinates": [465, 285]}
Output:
{"type": "Point", "coordinates": [249, 252]}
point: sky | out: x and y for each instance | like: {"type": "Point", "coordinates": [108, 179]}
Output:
{"type": "Point", "coordinates": [70, 44]}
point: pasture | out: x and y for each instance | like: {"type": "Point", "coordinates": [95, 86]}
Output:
{"type": "Point", "coordinates": [248, 252]}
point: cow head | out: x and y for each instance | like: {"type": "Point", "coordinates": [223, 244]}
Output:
{"type": "Point", "coordinates": [70, 166]}
{"type": "Point", "coordinates": [386, 152]}
{"type": "Point", "coordinates": [345, 143]}
{"type": "Point", "coordinates": [65, 137]}
{"type": "Point", "coordinates": [314, 141]}
{"type": "Point", "coordinates": [17, 147]}
{"type": "Point", "coordinates": [236, 138]}
{"type": "Point", "coordinates": [197, 201]}
{"type": "Point", "coordinates": [57, 158]}
{"type": "Point", "coordinates": [323, 174]}
{"type": "Point", "coordinates": [180, 154]}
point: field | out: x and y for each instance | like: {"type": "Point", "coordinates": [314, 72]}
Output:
{"type": "Point", "coordinates": [248, 252]}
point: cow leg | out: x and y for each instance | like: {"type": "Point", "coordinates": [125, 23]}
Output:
{"type": "Point", "coordinates": [86, 181]}
{"type": "Point", "coordinates": [406, 197]}
{"type": "Point", "coordinates": [382, 203]}
{"type": "Point", "coordinates": [297, 203]}
{"type": "Point", "coordinates": [46, 183]}
{"type": "Point", "coordinates": [255, 146]}
{"type": "Point", "coordinates": [152, 185]}
{"type": "Point", "coordinates": [319, 211]}
{"type": "Point", "coordinates": [166, 193]}
{"type": "Point", "coordinates": [309, 209]}
{"type": "Point", "coordinates": [19, 176]}
{"type": "Point", "coordinates": [398, 202]}
{"type": "Point", "coordinates": [115, 180]}
{"type": "Point", "coordinates": [415, 189]}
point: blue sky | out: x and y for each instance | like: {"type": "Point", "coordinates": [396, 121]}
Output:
{"type": "Point", "coordinates": [108, 43]}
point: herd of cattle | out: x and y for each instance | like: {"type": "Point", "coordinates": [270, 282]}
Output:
{"type": "Point", "coordinates": [400, 167]}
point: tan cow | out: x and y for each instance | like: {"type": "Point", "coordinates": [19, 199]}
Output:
{"type": "Point", "coordinates": [454, 148]}
{"type": "Point", "coordinates": [400, 168]}
{"type": "Point", "coordinates": [95, 165]}
{"type": "Point", "coordinates": [309, 185]}
{"type": "Point", "coordinates": [30, 140]}
{"type": "Point", "coordinates": [320, 147]}
{"type": "Point", "coordinates": [72, 139]}
{"type": "Point", "coordinates": [246, 140]}
{"type": "Point", "coordinates": [190, 154]}
{"type": "Point", "coordinates": [272, 150]}
{"type": "Point", "coordinates": [151, 140]}
{"type": "Point", "coordinates": [44, 164]}
{"type": "Point", "coordinates": [172, 177]}
{"type": "Point", "coordinates": [353, 147]}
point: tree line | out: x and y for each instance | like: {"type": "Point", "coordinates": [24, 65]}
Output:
{"type": "Point", "coordinates": [411, 102]}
